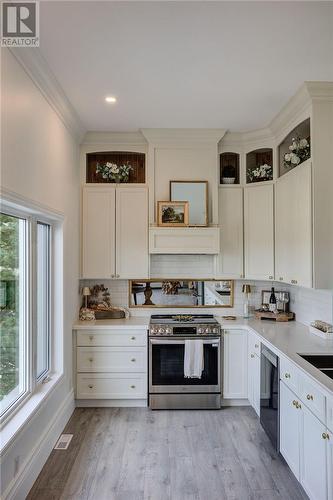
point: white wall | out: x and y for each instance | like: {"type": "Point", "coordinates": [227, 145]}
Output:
{"type": "Point", "coordinates": [40, 162]}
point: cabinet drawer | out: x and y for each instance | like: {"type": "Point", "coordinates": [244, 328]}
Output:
{"type": "Point", "coordinates": [289, 374]}
{"type": "Point", "coordinates": [329, 413]}
{"type": "Point", "coordinates": [312, 397]}
{"type": "Point", "coordinates": [111, 386]}
{"type": "Point", "coordinates": [117, 338]}
{"type": "Point", "coordinates": [253, 343]}
{"type": "Point", "coordinates": [111, 359]}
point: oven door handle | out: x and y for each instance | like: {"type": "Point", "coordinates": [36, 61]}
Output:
{"type": "Point", "coordinates": [180, 342]}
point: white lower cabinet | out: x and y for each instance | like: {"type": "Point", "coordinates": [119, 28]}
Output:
{"type": "Point", "coordinates": [235, 364]}
{"type": "Point", "coordinates": [305, 445]}
{"type": "Point", "coordinates": [111, 364]}
{"type": "Point", "coordinates": [254, 381]}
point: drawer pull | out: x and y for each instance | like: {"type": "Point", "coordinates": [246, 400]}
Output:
{"type": "Point", "coordinates": [91, 338]}
{"type": "Point", "coordinates": [90, 386]}
{"type": "Point", "coordinates": [309, 397]}
{"type": "Point", "coordinates": [133, 338]}
{"type": "Point", "coordinates": [295, 402]}
{"type": "Point", "coordinates": [256, 346]}
{"type": "Point", "coordinates": [298, 405]}
{"type": "Point", "coordinates": [252, 355]}
{"type": "Point", "coordinates": [91, 360]}
{"type": "Point", "coordinates": [133, 360]}
{"type": "Point", "coordinates": [287, 375]}
{"type": "Point", "coordinates": [325, 435]}
{"type": "Point", "coordinates": [270, 277]}
{"type": "Point", "coordinates": [132, 386]}
{"type": "Point", "coordinates": [281, 278]}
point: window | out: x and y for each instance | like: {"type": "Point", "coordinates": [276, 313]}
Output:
{"type": "Point", "coordinates": [25, 307]}
{"type": "Point", "coordinates": [13, 302]}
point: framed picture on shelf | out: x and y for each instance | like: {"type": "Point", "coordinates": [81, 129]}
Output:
{"type": "Point", "coordinates": [172, 213]}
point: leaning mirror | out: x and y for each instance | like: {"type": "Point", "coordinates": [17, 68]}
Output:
{"type": "Point", "coordinates": [181, 293]}
{"type": "Point", "coordinates": [196, 193]}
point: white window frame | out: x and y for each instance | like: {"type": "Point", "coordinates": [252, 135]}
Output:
{"type": "Point", "coordinates": [32, 215]}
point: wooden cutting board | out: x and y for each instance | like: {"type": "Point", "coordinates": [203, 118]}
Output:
{"type": "Point", "coordinates": [280, 316]}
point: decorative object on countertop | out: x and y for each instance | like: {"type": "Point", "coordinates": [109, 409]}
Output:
{"type": "Point", "coordinates": [229, 174]}
{"type": "Point", "coordinates": [246, 289]}
{"type": "Point", "coordinates": [275, 316]}
{"type": "Point", "coordinates": [260, 173]}
{"type": "Point", "coordinates": [299, 151]}
{"type": "Point", "coordinates": [272, 307]}
{"type": "Point", "coordinates": [112, 313]}
{"type": "Point", "coordinates": [282, 300]}
{"type": "Point", "coordinates": [229, 317]}
{"type": "Point", "coordinates": [113, 172]}
{"type": "Point", "coordinates": [172, 213]}
{"type": "Point", "coordinates": [322, 329]}
{"type": "Point", "coordinates": [196, 193]}
{"type": "Point", "coordinates": [86, 314]}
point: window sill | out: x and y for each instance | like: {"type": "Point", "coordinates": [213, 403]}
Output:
{"type": "Point", "coordinates": [12, 428]}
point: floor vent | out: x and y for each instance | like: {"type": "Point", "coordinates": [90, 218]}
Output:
{"type": "Point", "coordinates": [63, 442]}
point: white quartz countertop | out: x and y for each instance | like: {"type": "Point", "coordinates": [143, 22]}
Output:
{"type": "Point", "coordinates": [101, 324]}
{"type": "Point", "coordinates": [289, 339]}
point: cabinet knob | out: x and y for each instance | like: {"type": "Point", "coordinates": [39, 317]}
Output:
{"type": "Point", "coordinates": [241, 275]}
{"type": "Point", "coordinates": [309, 397]}
{"type": "Point", "coordinates": [287, 375]}
{"type": "Point", "coordinates": [325, 435]}
{"type": "Point", "coordinates": [91, 338]}
{"type": "Point", "coordinates": [91, 360]}
{"type": "Point", "coordinates": [133, 338]}
{"type": "Point", "coordinates": [270, 277]}
{"type": "Point", "coordinates": [252, 355]}
{"type": "Point", "coordinates": [294, 402]}
{"type": "Point", "coordinates": [90, 386]}
{"type": "Point", "coordinates": [133, 360]}
{"type": "Point", "coordinates": [298, 405]}
{"type": "Point", "coordinates": [281, 278]}
{"type": "Point", "coordinates": [256, 346]}
{"type": "Point", "coordinates": [132, 386]}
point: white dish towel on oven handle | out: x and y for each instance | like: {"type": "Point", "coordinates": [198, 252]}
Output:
{"type": "Point", "coordinates": [193, 358]}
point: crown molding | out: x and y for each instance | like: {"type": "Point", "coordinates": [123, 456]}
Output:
{"type": "Point", "coordinates": [38, 70]}
{"type": "Point", "coordinates": [183, 136]}
{"type": "Point", "coordinates": [105, 138]}
{"type": "Point", "coordinates": [242, 141]}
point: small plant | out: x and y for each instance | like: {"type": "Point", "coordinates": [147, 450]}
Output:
{"type": "Point", "coordinates": [113, 172]}
{"type": "Point", "coordinates": [299, 152]}
{"type": "Point", "coordinates": [260, 173]}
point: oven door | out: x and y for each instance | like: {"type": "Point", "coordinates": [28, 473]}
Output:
{"type": "Point", "coordinates": [166, 367]}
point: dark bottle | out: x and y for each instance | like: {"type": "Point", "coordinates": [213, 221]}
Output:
{"type": "Point", "coordinates": [272, 301]}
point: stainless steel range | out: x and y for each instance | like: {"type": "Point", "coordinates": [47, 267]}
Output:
{"type": "Point", "coordinates": [168, 387]}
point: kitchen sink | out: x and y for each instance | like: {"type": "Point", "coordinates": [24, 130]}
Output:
{"type": "Point", "coordinates": [324, 362]}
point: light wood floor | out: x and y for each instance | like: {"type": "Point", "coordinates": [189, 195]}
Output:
{"type": "Point", "coordinates": [135, 453]}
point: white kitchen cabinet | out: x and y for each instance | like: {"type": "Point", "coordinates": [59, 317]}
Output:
{"type": "Point", "coordinates": [98, 232]}
{"type": "Point", "coordinates": [230, 258]}
{"type": "Point", "coordinates": [289, 429]}
{"type": "Point", "coordinates": [329, 444]}
{"type": "Point", "coordinates": [115, 232]}
{"type": "Point", "coordinates": [254, 381]}
{"type": "Point", "coordinates": [313, 474]}
{"type": "Point", "coordinates": [184, 240]}
{"type": "Point", "coordinates": [132, 232]}
{"type": "Point", "coordinates": [259, 231]}
{"type": "Point", "coordinates": [293, 222]}
{"type": "Point", "coordinates": [235, 364]}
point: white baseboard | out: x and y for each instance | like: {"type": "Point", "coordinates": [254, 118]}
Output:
{"type": "Point", "coordinates": [111, 403]}
{"type": "Point", "coordinates": [20, 486]}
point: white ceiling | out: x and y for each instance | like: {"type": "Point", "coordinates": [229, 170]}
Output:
{"type": "Point", "coordinates": [185, 64]}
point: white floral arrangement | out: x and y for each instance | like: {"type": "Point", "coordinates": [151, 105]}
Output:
{"type": "Point", "coordinates": [260, 173]}
{"type": "Point", "coordinates": [299, 152]}
{"type": "Point", "coordinates": [114, 172]}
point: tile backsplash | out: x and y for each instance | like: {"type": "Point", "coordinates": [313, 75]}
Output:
{"type": "Point", "coordinates": [307, 304]}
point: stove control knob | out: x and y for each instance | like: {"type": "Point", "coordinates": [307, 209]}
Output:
{"type": "Point", "coordinates": [200, 330]}
{"type": "Point", "coordinates": [207, 330]}
{"type": "Point", "coordinates": [215, 329]}
{"type": "Point", "coordinates": [161, 331]}
{"type": "Point", "coordinates": [168, 330]}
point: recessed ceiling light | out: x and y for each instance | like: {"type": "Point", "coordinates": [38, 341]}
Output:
{"type": "Point", "coordinates": [110, 99]}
